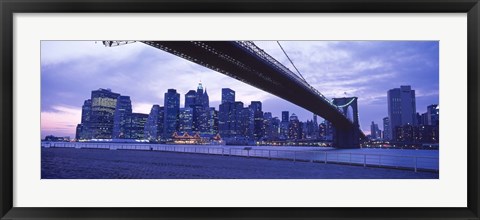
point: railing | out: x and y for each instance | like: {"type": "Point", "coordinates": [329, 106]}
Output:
{"type": "Point", "coordinates": [415, 163]}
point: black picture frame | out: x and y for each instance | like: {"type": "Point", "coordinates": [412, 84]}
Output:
{"type": "Point", "coordinates": [9, 7]}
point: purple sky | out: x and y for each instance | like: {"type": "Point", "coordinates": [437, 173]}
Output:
{"type": "Point", "coordinates": [70, 70]}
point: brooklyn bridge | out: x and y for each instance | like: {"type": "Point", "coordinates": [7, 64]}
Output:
{"type": "Point", "coordinates": [245, 61]}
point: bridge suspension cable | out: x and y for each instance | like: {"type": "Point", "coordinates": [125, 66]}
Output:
{"type": "Point", "coordinates": [346, 104]}
{"type": "Point", "coordinates": [290, 61]}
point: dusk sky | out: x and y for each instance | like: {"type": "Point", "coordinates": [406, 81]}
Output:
{"type": "Point", "coordinates": [70, 70]}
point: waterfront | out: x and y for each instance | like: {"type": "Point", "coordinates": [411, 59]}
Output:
{"type": "Point", "coordinates": [254, 99]}
{"type": "Point", "coordinates": [71, 163]}
{"type": "Point", "coordinates": [393, 159]}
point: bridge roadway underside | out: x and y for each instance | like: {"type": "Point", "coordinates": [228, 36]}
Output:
{"type": "Point", "coordinates": [233, 60]}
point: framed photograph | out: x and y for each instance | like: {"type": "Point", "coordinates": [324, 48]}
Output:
{"type": "Point", "coordinates": [223, 110]}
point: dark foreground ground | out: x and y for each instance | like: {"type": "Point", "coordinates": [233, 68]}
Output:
{"type": "Point", "coordinates": [69, 163]}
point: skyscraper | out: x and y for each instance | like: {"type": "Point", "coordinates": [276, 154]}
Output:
{"type": "Point", "coordinates": [285, 116]}
{"type": "Point", "coordinates": [82, 131]}
{"type": "Point", "coordinates": [172, 107]}
{"type": "Point", "coordinates": [267, 125]}
{"type": "Point", "coordinates": [386, 129]}
{"type": "Point", "coordinates": [199, 94]}
{"type": "Point", "coordinates": [275, 129]}
{"type": "Point", "coordinates": [284, 125]}
{"type": "Point", "coordinates": [223, 119]}
{"type": "Point", "coordinates": [200, 110]}
{"type": "Point", "coordinates": [228, 95]}
{"type": "Point", "coordinates": [213, 121]}
{"type": "Point", "coordinates": [154, 126]}
{"type": "Point", "coordinates": [226, 116]}
{"type": "Point", "coordinates": [123, 111]}
{"type": "Point", "coordinates": [329, 129]}
{"type": "Point", "coordinates": [239, 119]}
{"type": "Point", "coordinates": [200, 118]}
{"type": "Point", "coordinates": [424, 119]}
{"type": "Point", "coordinates": [271, 127]}
{"type": "Point", "coordinates": [78, 132]}
{"type": "Point", "coordinates": [104, 102]}
{"type": "Point", "coordinates": [256, 120]}
{"type": "Point", "coordinates": [401, 108]}
{"type": "Point", "coordinates": [375, 132]}
{"type": "Point", "coordinates": [205, 100]}
{"type": "Point", "coordinates": [433, 115]}
{"type": "Point", "coordinates": [294, 128]}
{"type": "Point", "coordinates": [136, 126]}
{"type": "Point", "coordinates": [315, 127]}
{"type": "Point", "coordinates": [185, 120]}
{"type": "Point", "coordinates": [190, 98]}
{"type": "Point", "coordinates": [86, 111]}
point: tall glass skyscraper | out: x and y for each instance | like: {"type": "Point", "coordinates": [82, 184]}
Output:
{"type": "Point", "coordinates": [256, 120]}
{"type": "Point", "coordinates": [239, 119]}
{"type": "Point", "coordinates": [86, 110]}
{"type": "Point", "coordinates": [154, 126]}
{"type": "Point", "coordinates": [223, 119]}
{"type": "Point", "coordinates": [123, 112]}
{"type": "Point", "coordinates": [386, 129]}
{"type": "Point", "coordinates": [104, 102]}
{"type": "Point", "coordinates": [294, 128]}
{"type": "Point", "coordinates": [228, 95]}
{"type": "Point", "coordinates": [285, 116]}
{"type": "Point", "coordinates": [136, 126]}
{"type": "Point", "coordinates": [375, 132]}
{"type": "Point", "coordinates": [213, 120]}
{"type": "Point", "coordinates": [275, 129]}
{"type": "Point", "coordinates": [172, 107]}
{"type": "Point", "coordinates": [190, 98]}
{"type": "Point", "coordinates": [201, 109]}
{"type": "Point", "coordinates": [226, 116]}
{"type": "Point", "coordinates": [401, 108]}
{"type": "Point", "coordinates": [199, 97]}
{"type": "Point", "coordinates": [433, 115]}
{"type": "Point", "coordinates": [315, 127]}
{"type": "Point", "coordinates": [205, 100]}
{"type": "Point", "coordinates": [186, 120]}
{"type": "Point", "coordinates": [267, 125]}
{"type": "Point", "coordinates": [284, 133]}
{"type": "Point", "coordinates": [82, 131]}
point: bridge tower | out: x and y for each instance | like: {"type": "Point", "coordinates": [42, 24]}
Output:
{"type": "Point", "coordinates": [347, 137]}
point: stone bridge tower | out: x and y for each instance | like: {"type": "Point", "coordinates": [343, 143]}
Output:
{"type": "Point", "coordinates": [347, 137]}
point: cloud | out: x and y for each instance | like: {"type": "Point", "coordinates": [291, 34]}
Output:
{"type": "Point", "coordinates": [62, 121]}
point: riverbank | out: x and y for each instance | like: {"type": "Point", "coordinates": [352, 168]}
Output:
{"type": "Point", "coordinates": [71, 163]}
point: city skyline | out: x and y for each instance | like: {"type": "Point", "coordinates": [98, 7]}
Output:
{"type": "Point", "coordinates": [58, 96]}
{"type": "Point", "coordinates": [126, 124]}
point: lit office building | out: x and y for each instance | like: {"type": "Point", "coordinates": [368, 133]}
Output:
{"type": "Point", "coordinates": [123, 111]}
{"type": "Point", "coordinates": [401, 108]}
{"type": "Point", "coordinates": [386, 129]}
{"type": "Point", "coordinates": [136, 126]}
{"type": "Point", "coordinates": [101, 121]}
{"type": "Point", "coordinates": [294, 128]}
{"type": "Point", "coordinates": [185, 120]}
{"type": "Point", "coordinates": [172, 107]}
{"type": "Point", "coordinates": [154, 126]}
